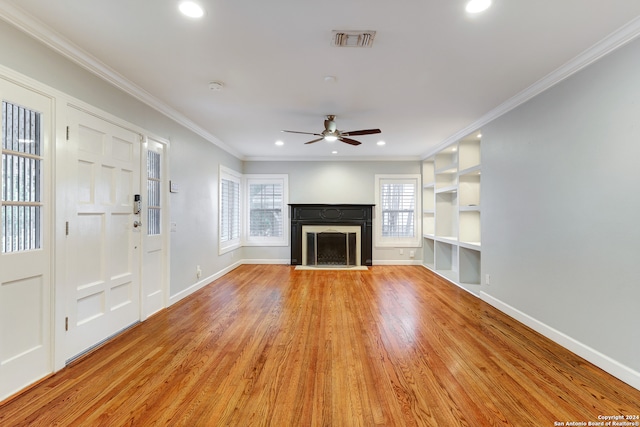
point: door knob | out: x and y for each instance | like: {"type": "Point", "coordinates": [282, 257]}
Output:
{"type": "Point", "coordinates": [137, 224]}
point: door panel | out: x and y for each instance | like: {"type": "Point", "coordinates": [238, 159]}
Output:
{"type": "Point", "coordinates": [155, 263]}
{"type": "Point", "coordinates": [25, 266]}
{"type": "Point", "coordinates": [103, 246]}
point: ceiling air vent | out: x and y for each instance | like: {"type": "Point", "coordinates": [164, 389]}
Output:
{"type": "Point", "coordinates": [352, 38]}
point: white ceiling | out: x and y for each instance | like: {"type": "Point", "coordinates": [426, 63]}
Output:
{"type": "Point", "coordinates": [434, 72]}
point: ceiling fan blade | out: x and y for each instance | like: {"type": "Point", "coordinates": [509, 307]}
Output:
{"type": "Point", "coordinates": [315, 140]}
{"type": "Point", "coordinates": [349, 141]}
{"type": "Point", "coordinates": [362, 132]}
{"type": "Point", "coordinates": [304, 133]}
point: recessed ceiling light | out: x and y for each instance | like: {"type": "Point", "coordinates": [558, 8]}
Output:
{"type": "Point", "coordinates": [334, 152]}
{"type": "Point", "coordinates": [477, 6]}
{"type": "Point", "coordinates": [191, 9]}
{"type": "Point", "coordinates": [479, 135]}
{"type": "Point", "coordinates": [279, 143]}
{"type": "Point", "coordinates": [381, 143]}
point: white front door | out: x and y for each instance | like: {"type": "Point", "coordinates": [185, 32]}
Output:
{"type": "Point", "coordinates": [25, 255]}
{"type": "Point", "coordinates": [103, 241]}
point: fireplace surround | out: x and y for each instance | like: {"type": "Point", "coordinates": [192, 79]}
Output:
{"type": "Point", "coordinates": [332, 216]}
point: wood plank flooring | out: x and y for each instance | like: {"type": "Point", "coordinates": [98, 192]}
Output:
{"type": "Point", "coordinates": [270, 346]}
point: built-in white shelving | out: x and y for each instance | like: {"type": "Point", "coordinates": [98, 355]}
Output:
{"type": "Point", "coordinates": [451, 213]}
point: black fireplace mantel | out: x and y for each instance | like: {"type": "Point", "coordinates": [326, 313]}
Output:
{"type": "Point", "coordinates": [322, 214]}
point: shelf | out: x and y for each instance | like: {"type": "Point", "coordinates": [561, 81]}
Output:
{"type": "Point", "coordinates": [446, 217]}
{"type": "Point", "coordinates": [469, 152]}
{"type": "Point", "coordinates": [474, 170]}
{"type": "Point", "coordinates": [450, 275]}
{"type": "Point", "coordinates": [469, 226]}
{"type": "Point", "coordinates": [446, 180]}
{"type": "Point", "coordinates": [428, 253]}
{"type": "Point", "coordinates": [452, 240]}
{"type": "Point", "coordinates": [447, 158]}
{"type": "Point", "coordinates": [428, 223]}
{"type": "Point", "coordinates": [474, 246]}
{"type": "Point", "coordinates": [448, 189]}
{"type": "Point", "coordinates": [469, 267]}
{"type": "Point", "coordinates": [447, 170]}
{"type": "Point", "coordinates": [451, 213]}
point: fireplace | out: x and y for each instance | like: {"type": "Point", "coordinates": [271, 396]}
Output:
{"type": "Point", "coordinates": [325, 245]}
{"type": "Point", "coordinates": [331, 235]}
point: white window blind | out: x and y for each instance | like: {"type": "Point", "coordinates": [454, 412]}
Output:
{"type": "Point", "coordinates": [21, 179]}
{"type": "Point", "coordinates": [153, 193]}
{"type": "Point", "coordinates": [265, 210]}
{"type": "Point", "coordinates": [398, 209]}
{"type": "Point", "coordinates": [266, 201]}
{"type": "Point", "coordinates": [229, 227]}
{"type": "Point", "coordinates": [230, 207]}
{"type": "Point", "coordinates": [397, 204]}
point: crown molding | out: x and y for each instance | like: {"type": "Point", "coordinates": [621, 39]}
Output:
{"type": "Point", "coordinates": [613, 41]}
{"type": "Point", "coordinates": [39, 31]}
{"type": "Point", "coordinates": [334, 158]}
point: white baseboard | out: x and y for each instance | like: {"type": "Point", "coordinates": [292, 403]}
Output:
{"type": "Point", "coordinates": [202, 283]}
{"type": "Point", "coordinates": [286, 261]}
{"type": "Point", "coordinates": [602, 361]}
{"type": "Point", "coordinates": [396, 262]}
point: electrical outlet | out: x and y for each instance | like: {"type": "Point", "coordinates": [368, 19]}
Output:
{"type": "Point", "coordinates": [487, 279]}
{"type": "Point", "coordinates": [198, 271]}
{"type": "Point", "coordinates": [401, 251]}
{"type": "Point", "coordinates": [412, 254]}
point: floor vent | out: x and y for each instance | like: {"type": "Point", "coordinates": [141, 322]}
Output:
{"type": "Point", "coordinates": [352, 38]}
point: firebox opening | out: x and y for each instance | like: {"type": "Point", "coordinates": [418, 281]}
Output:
{"type": "Point", "coordinates": [331, 246]}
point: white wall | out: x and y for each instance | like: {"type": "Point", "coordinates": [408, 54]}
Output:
{"type": "Point", "coordinates": [334, 182]}
{"type": "Point", "coordinates": [194, 162]}
{"type": "Point", "coordinates": [561, 210]}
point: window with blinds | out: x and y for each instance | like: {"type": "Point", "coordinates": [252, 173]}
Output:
{"type": "Point", "coordinates": [266, 201]}
{"type": "Point", "coordinates": [398, 209]}
{"type": "Point", "coordinates": [229, 214]}
{"type": "Point", "coordinates": [397, 214]}
{"type": "Point", "coordinates": [21, 179]}
{"type": "Point", "coordinates": [153, 193]}
{"type": "Point", "coordinates": [265, 210]}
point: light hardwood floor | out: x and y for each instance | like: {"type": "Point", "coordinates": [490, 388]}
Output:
{"type": "Point", "coordinates": [271, 346]}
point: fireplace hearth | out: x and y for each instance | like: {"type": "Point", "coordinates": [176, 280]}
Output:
{"type": "Point", "coordinates": [331, 235]}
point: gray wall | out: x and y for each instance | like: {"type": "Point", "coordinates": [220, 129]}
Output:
{"type": "Point", "coordinates": [561, 206]}
{"type": "Point", "coordinates": [333, 182]}
{"type": "Point", "coordinates": [193, 161]}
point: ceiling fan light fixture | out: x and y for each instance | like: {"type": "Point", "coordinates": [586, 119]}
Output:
{"type": "Point", "coordinates": [330, 138]}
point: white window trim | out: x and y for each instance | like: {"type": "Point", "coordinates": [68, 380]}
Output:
{"type": "Point", "coordinates": [398, 242]}
{"type": "Point", "coordinates": [266, 179]}
{"type": "Point", "coordinates": [230, 175]}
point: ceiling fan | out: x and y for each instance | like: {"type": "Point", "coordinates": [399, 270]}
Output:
{"type": "Point", "coordinates": [331, 133]}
